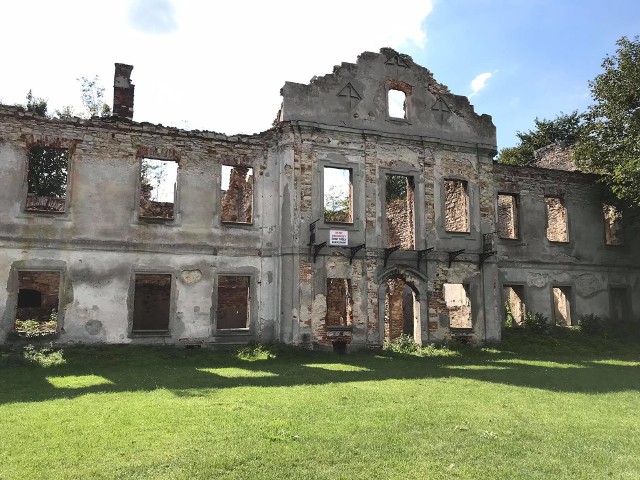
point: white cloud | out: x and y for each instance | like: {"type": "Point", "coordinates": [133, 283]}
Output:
{"type": "Point", "coordinates": [479, 82]}
{"type": "Point", "coordinates": [220, 68]}
{"type": "Point", "coordinates": [153, 16]}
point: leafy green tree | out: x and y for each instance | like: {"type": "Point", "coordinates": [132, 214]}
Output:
{"type": "Point", "coordinates": [48, 171]}
{"type": "Point", "coordinates": [93, 98]}
{"type": "Point", "coordinates": [36, 105]}
{"type": "Point", "coordinates": [337, 205]}
{"type": "Point", "coordinates": [611, 144]}
{"type": "Point", "coordinates": [565, 128]}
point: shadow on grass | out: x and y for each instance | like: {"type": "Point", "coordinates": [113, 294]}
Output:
{"type": "Point", "coordinates": [110, 369]}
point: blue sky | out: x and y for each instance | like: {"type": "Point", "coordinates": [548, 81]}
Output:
{"type": "Point", "coordinates": [220, 65]}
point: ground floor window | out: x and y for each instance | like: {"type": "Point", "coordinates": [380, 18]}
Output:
{"type": "Point", "coordinates": [233, 302]}
{"type": "Point", "coordinates": [514, 307]}
{"type": "Point", "coordinates": [152, 302]}
{"type": "Point", "coordinates": [562, 305]}
{"type": "Point", "coordinates": [456, 296]}
{"type": "Point", "coordinates": [38, 303]}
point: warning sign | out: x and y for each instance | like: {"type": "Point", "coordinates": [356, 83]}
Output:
{"type": "Point", "coordinates": [339, 238]}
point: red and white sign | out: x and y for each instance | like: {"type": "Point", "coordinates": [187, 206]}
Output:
{"type": "Point", "coordinates": [339, 238]}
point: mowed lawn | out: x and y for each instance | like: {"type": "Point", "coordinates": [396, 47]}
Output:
{"type": "Point", "coordinates": [557, 409]}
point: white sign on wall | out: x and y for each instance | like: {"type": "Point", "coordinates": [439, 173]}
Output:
{"type": "Point", "coordinates": [339, 238]}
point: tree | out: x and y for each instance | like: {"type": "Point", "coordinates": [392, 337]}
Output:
{"type": "Point", "coordinates": [36, 105]}
{"type": "Point", "coordinates": [92, 98]}
{"type": "Point", "coordinates": [48, 171]}
{"type": "Point", "coordinates": [611, 144]}
{"type": "Point", "coordinates": [565, 128]}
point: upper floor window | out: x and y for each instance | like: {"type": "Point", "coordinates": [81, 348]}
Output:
{"type": "Point", "coordinates": [456, 206]}
{"type": "Point", "coordinates": [237, 194]}
{"type": "Point", "coordinates": [400, 211]}
{"type": "Point", "coordinates": [507, 216]}
{"type": "Point", "coordinates": [557, 226]}
{"type": "Point", "coordinates": [338, 195]}
{"type": "Point", "coordinates": [612, 225]}
{"type": "Point", "coordinates": [397, 103]}
{"type": "Point", "coordinates": [158, 181]}
{"type": "Point", "coordinates": [47, 179]}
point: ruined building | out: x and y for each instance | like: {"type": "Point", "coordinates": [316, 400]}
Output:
{"type": "Point", "coordinates": [371, 209]}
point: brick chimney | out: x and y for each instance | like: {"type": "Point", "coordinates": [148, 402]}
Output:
{"type": "Point", "coordinates": [123, 92]}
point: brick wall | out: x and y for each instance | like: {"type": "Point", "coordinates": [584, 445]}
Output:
{"type": "Point", "coordinates": [456, 206]}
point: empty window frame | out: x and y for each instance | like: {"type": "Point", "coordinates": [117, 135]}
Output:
{"type": "Point", "coordinates": [514, 306]}
{"type": "Point", "coordinates": [401, 309]}
{"type": "Point", "coordinates": [158, 181]}
{"type": "Point", "coordinates": [400, 211]}
{"type": "Point", "coordinates": [456, 206]}
{"type": "Point", "coordinates": [339, 305]}
{"type": "Point", "coordinates": [236, 202]}
{"type": "Point", "coordinates": [47, 179]}
{"type": "Point", "coordinates": [562, 305]}
{"type": "Point", "coordinates": [508, 216]}
{"type": "Point", "coordinates": [397, 103]}
{"type": "Point", "coordinates": [456, 297]}
{"type": "Point", "coordinates": [38, 300]}
{"type": "Point", "coordinates": [151, 302]}
{"type": "Point", "coordinates": [233, 302]}
{"type": "Point", "coordinates": [557, 226]}
{"type": "Point", "coordinates": [338, 195]}
{"type": "Point", "coordinates": [612, 225]}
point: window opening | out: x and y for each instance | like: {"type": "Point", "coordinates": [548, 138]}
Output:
{"type": "Point", "coordinates": [556, 220]}
{"type": "Point", "coordinates": [456, 297]}
{"type": "Point", "coordinates": [514, 307]}
{"type": "Point", "coordinates": [397, 101]}
{"type": "Point", "coordinates": [237, 194]}
{"type": "Point", "coordinates": [47, 179]}
{"type": "Point", "coordinates": [338, 195]}
{"type": "Point", "coordinates": [612, 225]}
{"type": "Point", "coordinates": [402, 309]}
{"type": "Point", "coordinates": [562, 305]}
{"type": "Point", "coordinates": [399, 218]}
{"type": "Point", "coordinates": [339, 307]}
{"type": "Point", "coordinates": [233, 302]}
{"type": "Point", "coordinates": [38, 300]}
{"type": "Point", "coordinates": [158, 188]}
{"type": "Point", "coordinates": [456, 206]}
{"type": "Point", "coordinates": [619, 301]}
{"type": "Point", "coordinates": [152, 302]}
{"type": "Point", "coordinates": [507, 216]}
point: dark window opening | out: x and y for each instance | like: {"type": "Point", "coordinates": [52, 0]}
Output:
{"type": "Point", "coordinates": [152, 303]}
{"type": "Point", "coordinates": [613, 225]}
{"type": "Point", "coordinates": [514, 307]}
{"type": "Point", "coordinates": [38, 300]}
{"type": "Point", "coordinates": [456, 206]}
{"type": "Point", "coordinates": [456, 297]}
{"type": "Point", "coordinates": [557, 230]}
{"type": "Point", "coordinates": [399, 215]}
{"type": "Point", "coordinates": [233, 302]}
{"type": "Point", "coordinates": [402, 309]}
{"type": "Point", "coordinates": [338, 195]}
{"type": "Point", "coordinates": [158, 179]}
{"type": "Point", "coordinates": [339, 306]}
{"type": "Point", "coordinates": [507, 216]}
{"type": "Point", "coordinates": [47, 179]}
{"type": "Point", "coordinates": [620, 307]}
{"type": "Point", "coordinates": [237, 194]}
{"type": "Point", "coordinates": [562, 305]}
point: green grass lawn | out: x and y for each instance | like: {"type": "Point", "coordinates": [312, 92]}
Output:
{"type": "Point", "coordinates": [545, 408]}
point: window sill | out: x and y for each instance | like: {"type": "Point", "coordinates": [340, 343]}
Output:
{"type": "Point", "coordinates": [149, 333]}
{"type": "Point", "coordinates": [232, 331]}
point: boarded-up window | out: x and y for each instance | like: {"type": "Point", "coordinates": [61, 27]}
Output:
{"type": "Point", "coordinates": [399, 215]}
{"type": "Point", "coordinates": [237, 194]}
{"type": "Point", "coordinates": [158, 179]}
{"type": "Point", "coordinates": [507, 216]}
{"type": "Point", "coordinates": [339, 308]}
{"type": "Point", "coordinates": [456, 296]}
{"type": "Point", "coordinates": [620, 307]}
{"type": "Point", "coordinates": [233, 302]}
{"type": "Point", "coordinates": [38, 300]}
{"type": "Point", "coordinates": [514, 308]}
{"type": "Point", "coordinates": [562, 305]}
{"type": "Point", "coordinates": [338, 195]}
{"type": "Point", "coordinates": [612, 225]}
{"type": "Point", "coordinates": [152, 302]}
{"type": "Point", "coordinates": [456, 206]}
{"type": "Point", "coordinates": [557, 230]}
{"type": "Point", "coordinates": [47, 179]}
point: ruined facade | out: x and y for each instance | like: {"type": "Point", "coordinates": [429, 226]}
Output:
{"type": "Point", "coordinates": [139, 233]}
